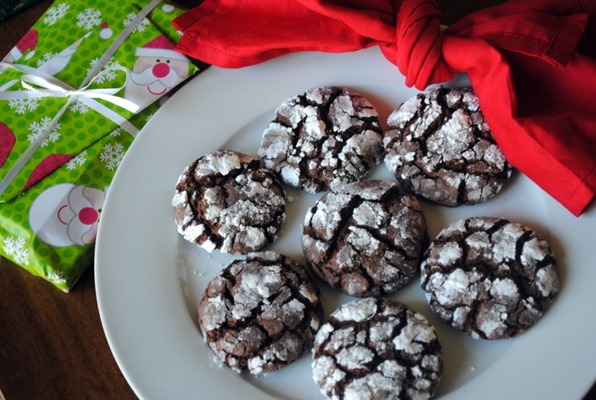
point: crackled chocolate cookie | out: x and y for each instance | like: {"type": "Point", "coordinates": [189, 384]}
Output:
{"type": "Point", "coordinates": [439, 147]}
{"type": "Point", "coordinates": [377, 349]}
{"type": "Point", "coordinates": [225, 200]}
{"type": "Point", "coordinates": [365, 238]}
{"type": "Point", "coordinates": [323, 137]}
{"type": "Point", "coordinates": [489, 277]}
{"type": "Point", "coordinates": [261, 313]}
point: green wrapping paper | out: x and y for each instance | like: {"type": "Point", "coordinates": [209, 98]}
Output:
{"type": "Point", "coordinates": [74, 92]}
{"type": "Point", "coordinates": [50, 229]}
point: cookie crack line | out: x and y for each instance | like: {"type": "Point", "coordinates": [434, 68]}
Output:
{"type": "Point", "coordinates": [346, 214]}
{"type": "Point", "coordinates": [388, 242]}
{"type": "Point", "coordinates": [499, 290]}
{"type": "Point", "coordinates": [408, 128]}
{"type": "Point", "coordinates": [325, 143]}
{"type": "Point", "coordinates": [255, 318]}
{"type": "Point", "coordinates": [274, 323]}
{"type": "Point", "coordinates": [366, 368]}
{"type": "Point", "coordinates": [325, 106]}
{"type": "Point", "coordinates": [197, 193]}
{"type": "Point", "coordinates": [342, 375]}
{"type": "Point", "coordinates": [226, 201]}
{"type": "Point", "coordinates": [358, 162]}
{"type": "Point", "coordinates": [439, 147]}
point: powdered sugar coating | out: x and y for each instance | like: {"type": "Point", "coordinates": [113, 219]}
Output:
{"type": "Point", "coordinates": [489, 277]}
{"type": "Point", "coordinates": [224, 200]}
{"type": "Point", "coordinates": [440, 148]}
{"type": "Point", "coordinates": [261, 313]}
{"type": "Point", "coordinates": [365, 238]}
{"type": "Point", "coordinates": [321, 138]}
{"type": "Point", "coordinates": [377, 349]}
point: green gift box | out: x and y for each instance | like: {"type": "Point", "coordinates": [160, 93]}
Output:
{"type": "Point", "coordinates": [74, 92]}
{"type": "Point", "coordinates": [50, 229]}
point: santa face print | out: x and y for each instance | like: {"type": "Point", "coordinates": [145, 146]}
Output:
{"type": "Point", "coordinates": [158, 75]}
{"type": "Point", "coordinates": [152, 77]}
{"type": "Point", "coordinates": [157, 69]}
{"type": "Point", "coordinates": [67, 214]}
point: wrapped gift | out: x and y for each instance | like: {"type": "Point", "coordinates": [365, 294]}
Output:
{"type": "Point", "coordinates": [74, 92]}
{"type": "Point", "coordinates": [50, 229]}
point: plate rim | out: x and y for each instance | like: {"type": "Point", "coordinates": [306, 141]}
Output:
{"type": "Point", "coordinates": [207, 82]}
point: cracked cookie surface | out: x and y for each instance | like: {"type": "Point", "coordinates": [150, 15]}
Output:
{"type": "Point", "coordinates": [377, 349]}
{"type": "Point", "coordinates": [365, 238]}
{"type": "Point", "coordinates": [225, 200]}
{"type": "Point", "coordinates": [489, 277]}
{"type": "Point", "coordinates": [440, 148]}
{"type": "Point", "coordinates": [323, 137]}
{"type": "Point", "coordinates": [261, 313]}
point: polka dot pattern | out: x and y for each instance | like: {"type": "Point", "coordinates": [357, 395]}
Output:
{"type": "Point", "coordinates": [76, 27]}
{"type": "Point", "coordinates": [94, 143]}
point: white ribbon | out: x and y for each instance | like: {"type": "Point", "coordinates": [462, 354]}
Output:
{"type": "Point", "coordinates": [39, 84]}
{"type": "Point", "coordinates": [47, 86]}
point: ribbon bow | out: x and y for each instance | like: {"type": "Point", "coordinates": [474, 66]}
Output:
{"type": "Point", "coordinates": [526, 60]}
{"type": "Point", "coordinates": [39, 84]}
{"type": "Point", "coordinates": [51, 87]}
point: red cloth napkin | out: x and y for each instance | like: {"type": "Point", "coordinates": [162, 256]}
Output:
{"type": "Point", "coordinates": [532, 64]}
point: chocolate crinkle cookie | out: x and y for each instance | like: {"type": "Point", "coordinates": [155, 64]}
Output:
{"type": "Point", "coordinates": [440, 148]}
{"type": "Point", "coordinates": [489, 277]}
{"type": "Point", "coordinates": [323, 137]}
{"type": "Point", "coordinates": [377, 349]}
{"type": "Point", "coordinates": [365, 238]}
{"type": "Point", "coordinates": [261, 313]}
{"type": "Point", "coordinates": [225, 200]}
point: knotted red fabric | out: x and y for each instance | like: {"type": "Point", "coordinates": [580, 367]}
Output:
{"type": "Point", "coordinates": [532, 64]}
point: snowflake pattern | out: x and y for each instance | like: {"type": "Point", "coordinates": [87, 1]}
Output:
{"type": "Point", "coordinates": [57, 277]}
{"type": "Point", "coordinates": [45, 58]}
{"type": "Point", "coordinates": [14, 247]}
{"type": "Point", "coordinates": [89, 19]}
{"type": "Point", "coordinates": [112, 155]}
{"type": "Point", "coordinates": [77, 161]}
{"type": "Point", "coordinates": [140, 27]}
{"type": "Point", "coordinates": [43, 127]}
{"type": "Point", "coordinates": [55, 13]}
{"type": "Point", "coordinates": [116, 132]}
{"type": "Point", "coordinates": [21, 106]}
{"type": "Point", "coordinates": [79, 107]}
{"type": "Point", "coordinates": [148, 117]}
{"type": "Point", "coordinates": [107, 73]}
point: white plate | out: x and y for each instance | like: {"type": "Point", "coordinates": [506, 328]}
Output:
{"type": "Point", "coordinates": [149, 280]}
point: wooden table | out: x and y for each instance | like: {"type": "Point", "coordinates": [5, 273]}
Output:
{"type": "Point", "coordinates": [52, 344]}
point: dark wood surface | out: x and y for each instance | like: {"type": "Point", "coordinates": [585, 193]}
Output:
{"type": "Point", "coordinates": [52, 345]}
